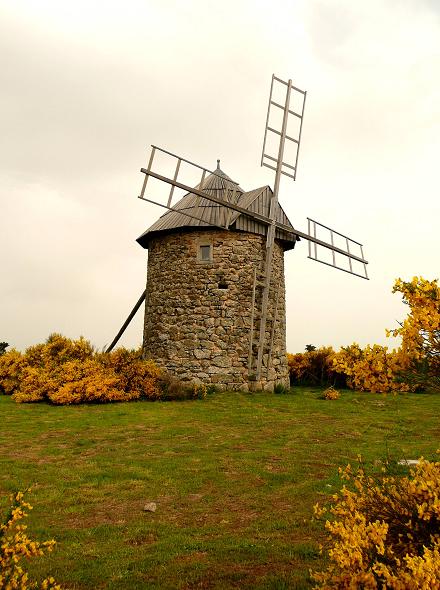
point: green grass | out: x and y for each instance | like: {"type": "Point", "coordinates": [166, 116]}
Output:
{"type": "Point", "coordinates": [234, 477]}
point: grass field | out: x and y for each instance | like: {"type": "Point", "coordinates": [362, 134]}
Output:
{"type": "Point", "coordinates": [234, 477]}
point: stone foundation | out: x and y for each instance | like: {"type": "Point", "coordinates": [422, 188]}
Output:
{"type": "Point", "coordinates": [198, 311]}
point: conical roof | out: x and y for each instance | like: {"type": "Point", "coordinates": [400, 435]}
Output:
{"type": "Point", "coordinates": [193, 212]}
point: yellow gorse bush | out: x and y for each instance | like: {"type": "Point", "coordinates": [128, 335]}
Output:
{"type": "Point", "coordinates": [331, 393]}
{"type": "Point", "coordinates": [84, 381]}
{"type": "Point", "coordinates": [414, 365]}
{"type": "Point", "coordinates": [421, 329]}
{"type": "Point", "coordinates": [373, 368]}
{"type": "Point", "coordinates": [137, 377]}
{"type": "Point", "coordinates": [12, 364]}
{"type": "Point", "coordinates": [15, 546]}
{"type": "Point", "coordinates": [384, 532]}
{"type": "Point", "coordinates": [65, 371]}
{"type": "Point", "coordinates": [313, 367]}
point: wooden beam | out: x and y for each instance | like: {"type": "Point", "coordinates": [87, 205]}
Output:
{"type": "Point", "coordinates": [127, 321]}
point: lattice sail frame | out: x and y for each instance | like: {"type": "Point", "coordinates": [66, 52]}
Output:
{"type": "Point", "coordinates": [352, 246]}
{"type": "Point", "coordinates": [230, 188]}
{"type": "Point", "coordinates": [279, 132]}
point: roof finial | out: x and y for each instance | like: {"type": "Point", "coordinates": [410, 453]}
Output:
{"type": "Point", "coordinates": [218, 164]}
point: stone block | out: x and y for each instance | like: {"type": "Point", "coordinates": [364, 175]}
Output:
{"type": "Point", "coordinates": [222, 361]}
{"type": "Point", "coordinates": [199, 353]}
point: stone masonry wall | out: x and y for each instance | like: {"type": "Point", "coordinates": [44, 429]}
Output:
{"type": "Point", "coordinates": [198, 313]}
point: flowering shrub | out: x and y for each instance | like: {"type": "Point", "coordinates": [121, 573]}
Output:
{"type": "Point", "coordinates": [199, 391]}
{"type": "Point", "coordinates": [36, 384]}
{"type": "Point", "coordinates": [138, 377]}
{"type": "Point", "coordinates": [58, 350]}
{"type": "Point", "coordinates": [16, 545]}
{"type": "Point", "coordinates": [385, 531]}
{"type": "Point", "coordinates": [331, 393]}
{"type": "Point", "coordinates": [373, 368]}
{"type": "Point", "coordinates": [313, 367]}
{"type": "Point", "coordinates": [12, 364]}
{"type": "Point", "coordinates": [65, 371]}
{"type": "Point", "coordinates": [414, 365]}
{"type": "Point", "coordinates": [85, 381]}
{"type": "Point", "coordinates": [420, 332]}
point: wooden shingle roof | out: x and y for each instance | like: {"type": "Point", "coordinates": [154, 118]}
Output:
{"type": "Point", "coordinates": [208, 214]}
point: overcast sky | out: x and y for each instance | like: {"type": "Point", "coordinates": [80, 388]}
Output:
{"type": "Point", "coordinates": [87, 86]}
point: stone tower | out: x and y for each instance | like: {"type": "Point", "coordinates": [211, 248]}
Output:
{"type": "Point", "coordinates": [203, 290]}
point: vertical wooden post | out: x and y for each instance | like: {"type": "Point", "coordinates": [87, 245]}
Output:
{"type": "Point", "coordinates": [251, 330]}
{"type": "Point", "coordinates": [271, 233]}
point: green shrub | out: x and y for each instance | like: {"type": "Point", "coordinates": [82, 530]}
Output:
{"type": "Point", "coordinates": [280, 389]}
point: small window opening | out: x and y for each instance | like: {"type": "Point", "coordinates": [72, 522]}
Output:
{"type": "Point", "coordinates": [205, 253]}
{"type": "Point", "coordinates": [222, 284]}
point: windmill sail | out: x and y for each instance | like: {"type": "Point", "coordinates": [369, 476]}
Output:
{"type": "Point", "coordinates": [287, 166]}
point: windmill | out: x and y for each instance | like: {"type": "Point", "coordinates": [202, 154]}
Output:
{"type": "Point", "coordinates": [191, 246]}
